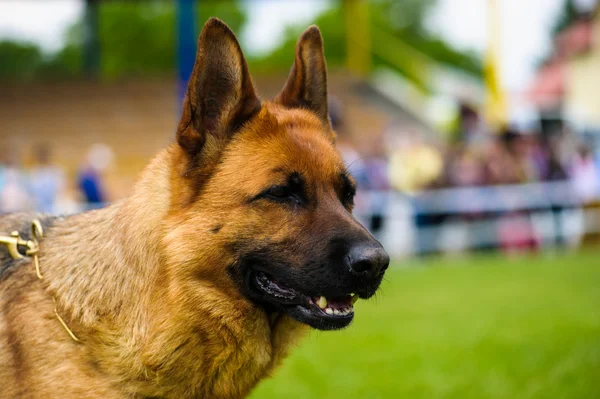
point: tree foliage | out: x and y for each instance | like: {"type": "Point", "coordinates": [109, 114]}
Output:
{"type": "Point", "coordinates": [139, 39]}
{"type": "Point", "coordinates": [568, 15]}
{"type": "Point", "coordinates": [136, 39]}
{"type": "Point", "coordinates": [398, 32]}
{"type": "Point", "coordinates": [19, 60]}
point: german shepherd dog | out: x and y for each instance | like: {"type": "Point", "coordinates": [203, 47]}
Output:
{"type": "Point", "coordinates": [236, 238]}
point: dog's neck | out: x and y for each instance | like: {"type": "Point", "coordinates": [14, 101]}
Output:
{"type": "Point", "coordinates": [117, 253]}
{"type": "Point", "coordinates": [116, 293]}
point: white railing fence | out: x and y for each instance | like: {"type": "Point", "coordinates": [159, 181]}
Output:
{"type": "Point", "coordinates": [513, 217]}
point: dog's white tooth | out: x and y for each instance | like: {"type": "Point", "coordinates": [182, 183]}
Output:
{"type": "Point", "coordinates": [322, 302]}
{"type": "Point", "coordinates": [336, 312]}
{"type": "Point", "coordinates": [354, 299]}
{"type": "Point", "coordinates": [329, 311]}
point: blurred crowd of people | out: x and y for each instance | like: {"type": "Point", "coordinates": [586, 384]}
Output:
{"type": "Point", "coordinates": [412, 163]}
{"type": "Point", "coordinates": [510, 157]}
{"type": "Point", "coordinates": [480, 157]}
{"type": "Point", "coordinates": [44, 186]}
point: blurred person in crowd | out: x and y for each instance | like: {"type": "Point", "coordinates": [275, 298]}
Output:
{"type": "Point", "coordinates": [585, 176]}
{"type": "Point", "coordinates": [373, 178]}
{"type": "Point", "coordinates": [527, 153]}
{"type": "Point", "coordinates": [556, 172]}
{"type": "Point", "coordinates": [498, 163]}
{"type": "Point", "coordinates": [471, 128]}
{"type": "Point", "coordinates": [502, 165]}
{"type": "Point", "coordinates": [466, 168]}
{"type": "Point", "coordinates": [536, 156]}
{"type": "Point", "coordinates": [13, 187]}
{"type": "Point", "coordinates": [90, 180]}
{"type": "Point", "coordinates": [414, 164]}
{"type": "Point", "coordinates": [555, 169]}
{"type": "Point", "coordinates": [515, 230]}
{"type": "Point", "coordinates": [376, 171]}
{"type": "Point", "coordinates": [592, 207]}
{"type": "Point", "coordinates": [46, 181]}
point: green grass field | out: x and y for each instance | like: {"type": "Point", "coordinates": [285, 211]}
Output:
{"type": "Point", "coordinates": [476, 327]}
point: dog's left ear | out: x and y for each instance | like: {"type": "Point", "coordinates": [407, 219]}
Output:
{"type": "Point", "coordinates": [306, 86]}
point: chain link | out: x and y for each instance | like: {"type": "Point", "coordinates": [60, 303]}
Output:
{"type": "Point", "coordinates": [15, 243]}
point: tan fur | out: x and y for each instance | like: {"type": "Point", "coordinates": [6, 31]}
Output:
{"type": "Point", "coordinates": [144, 283]}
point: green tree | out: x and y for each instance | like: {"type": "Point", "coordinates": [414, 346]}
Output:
{"type": "Point", "coordinates": [330, 23]}
{"type": "Point", "coordinates": [405, 21]}
{"type": "Point", "coordinates": [568, 15]}
{"type": "Point", "coordinates": [68, 61]}
{"type": "Point", "coordinates": [138, 38]}
{"type": "Point", "coordinates": [19, 61]}
{"type": "Point", "coordinates": [405, 15]}
{"type": "Point", "coordinates": [399, 40]}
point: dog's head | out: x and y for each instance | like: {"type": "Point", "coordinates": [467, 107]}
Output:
{"type": "Point", "coordinates": [260, 193]}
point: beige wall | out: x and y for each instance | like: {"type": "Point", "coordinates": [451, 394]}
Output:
{"type": "Point", "coordinates": [582, 99]}
{"type": "Point", "coordinates": [135, 118]}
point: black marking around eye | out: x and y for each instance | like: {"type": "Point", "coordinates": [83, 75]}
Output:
{"type": "Point", "coordinates": [295, 181]}
{"type": "Point", "coordinates": [348, 189]}
{"type": "Point", "coordinates": [294, 185]}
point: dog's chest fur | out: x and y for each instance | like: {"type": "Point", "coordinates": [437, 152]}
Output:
{"type": "Point", "coordinates": [243, 363]}
{"type": "Point", "coordinates": [226, 362]}
{"type": "Point", "coordinates": [128, 350]}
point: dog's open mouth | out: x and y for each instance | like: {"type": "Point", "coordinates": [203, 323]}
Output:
{"type": "Point", "coordinates": [322, 312]}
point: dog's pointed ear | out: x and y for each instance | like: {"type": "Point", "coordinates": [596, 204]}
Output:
{"type": "Point", "coordinates": [220, 94]}
{"type": "Point", "coordinates": [306, 86]}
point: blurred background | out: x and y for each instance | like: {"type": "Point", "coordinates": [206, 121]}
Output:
{"type": "Point", "coordinates": [471, 126]}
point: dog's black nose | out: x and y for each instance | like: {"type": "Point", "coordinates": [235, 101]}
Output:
{"type": "Point", "coordinates": [367, 260]}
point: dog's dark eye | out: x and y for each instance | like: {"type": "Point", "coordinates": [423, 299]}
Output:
{"type": "Point", "coordinates": [290, 192]}
{"type": "Point", "coordinates": [349, 197]}
{"type": "Point", "coordinates": [348, 190]}
{"type": "Point", "coordinates": [283, 194]}
{"type": "Point", "coordinates": [279, 192]}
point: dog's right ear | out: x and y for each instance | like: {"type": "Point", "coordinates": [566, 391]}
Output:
{"type": "Point", "coordinates": [306, 86]}
{"type": "Point", "coordinates": [220, 94]}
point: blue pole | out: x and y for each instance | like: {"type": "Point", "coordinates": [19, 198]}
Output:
{"type": "Point", "coordinates": [186, 43]}
{"type": "Point", "coordinates": [91, 39]}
